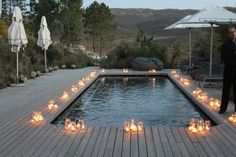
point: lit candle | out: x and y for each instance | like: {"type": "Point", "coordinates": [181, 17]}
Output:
{"type": "Point", "coordinates": [197, 91]}
{"type": "Point", "coordinates": [192, 124]}
{"type": "Point", "coordinates": [211, 102]}
{"type": "Point", "coordinates": [65, 96]}
{"type": "Point", "coordinates": [37, 117]}
{"type": "Point", "coordinates": [140, 126]}
{"type": "Point", "coordinates": [232, 118]}
{"type": "Point", "coordinates": [203, 96]}
{"type": "Point", "coordinates": [52, 105]}
{"type": "Point", "coordinates": [126, 126]}
{"type": "Point", "coordinates": [200, 125]}
{"type": "Point", "coordinates": [152, 71]}
{"type": "Point", "coordinates": [74, 89]}
{"type": "Point", "coordinates": [173, 72]}
{"type": "Point", "coordinates": [81, 83]}
{"type": "Point", "coordinates": [207, 125]}
{"type": "Point", "coordinates": [133, 126]}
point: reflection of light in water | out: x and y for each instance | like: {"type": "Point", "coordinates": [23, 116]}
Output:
{"type": "Point", "coordinates": [153, 81]}
{"type": "Point", "coordinates": [125, 80]}
{"type": "Point", "coordinates": [103, 79]}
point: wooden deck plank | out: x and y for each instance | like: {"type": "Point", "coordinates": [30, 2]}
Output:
{"type": "Point", "coordinates": [67, 145]}
{"type": "Point", "coordinates": [150, 143]}
{"type": "Point", "coordinates": [104, 142]}
{"type": "Point", "coordinates": [200, 150]}
{"type": "Point", "coordinates": [183, 149]}
{"type": "Point", "coordinates": [172, 142]}
{"type": "Point", "coordinates": [12, 142]}
{"type": "Point", "coordinates": [142, 144]}
{"type": "Point", "coordinates": [126, 145]}
{"type": "Point", "coordinates": [83, 144]}
{"type": "Point", "coordinates": [226, 135]}
{"type": "Point", "coordinates": [177, 136]}
{"type": "Point", "coordinates": [53, 143]}
{"type": "Point", "coordinates": [191, 136]}
{"type": "Point", "coordinates": [165, 143]}
{"type": "Point", "coordinates": [134, 144]}
{"type": "Point", "coordinates": [205, 146]}
{"type": "Point", "coordinates": [71, 151]}
{"type": "Point", "coordinates": [30, 144]}
{"type": "Point", "coordinates": [118, 143]}
{"type": "Point", "coordinates": [46, 143]}
{"type": "Point", "coordinates": [89, 148]}
{"type": "Point", "coordinates": [213, 146]}
{"type": "Point", "coordinates": [187, 142]}
{"type": "Point", "coordinates": [98, 142]}
{"type": "Point", "coordinates": [110, 143]}
{"type": "Point", "coordinates": [224, 141]}
{"type": "Point", "coordinates": [219, 144]}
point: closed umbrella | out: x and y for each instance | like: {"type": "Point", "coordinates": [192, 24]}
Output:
{"type": "Point", "coordinates": [0, 8]}
{"type": "Point", "coordinates": [182, 25]}
{"type": "Point", "coordinates": [212, 15]}
{"type": "Point", "coordinates": [44, 39]}
{"type": "Point", "coordinates": [17, 37]}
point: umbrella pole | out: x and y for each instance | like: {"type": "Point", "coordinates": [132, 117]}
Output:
{"type": "Point", "coordinates": [45, 60]}
{"type": "Point", "coordinates": [190, 47]}
{"type": "Point", "coordinates": [211, 49]}
{"type": "Point", "coordinates": [17, 66]}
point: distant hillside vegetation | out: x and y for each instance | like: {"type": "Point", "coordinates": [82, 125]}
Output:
{"type": "Point", "coordinates": [153, 22]}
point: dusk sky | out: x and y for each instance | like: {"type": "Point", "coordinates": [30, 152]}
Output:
{"type": "Point", "coordinates": [163, 4]}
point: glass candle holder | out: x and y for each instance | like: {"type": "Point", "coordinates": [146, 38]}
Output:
{"type": "Point", "coordinates": [207, 125]}
{"type": "Point", "coordinates": [200, 125]}
{"type": "Point", "coordinates": [126, 126]}
{"type": "Point", "coordinates": [140, 126]}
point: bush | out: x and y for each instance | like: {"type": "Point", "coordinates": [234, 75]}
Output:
{"type": "Point", "coordinates": [123, 54]}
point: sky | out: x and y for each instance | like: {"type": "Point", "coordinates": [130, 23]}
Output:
{"type": "Point", "coordinates": [163, 4]}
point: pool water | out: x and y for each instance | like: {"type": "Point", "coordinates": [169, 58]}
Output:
{"type": "Point", "coordinates": [110, 101]}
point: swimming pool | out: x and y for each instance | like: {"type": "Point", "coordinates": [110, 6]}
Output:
{"type": "Point", "coordinates": [110, 101]}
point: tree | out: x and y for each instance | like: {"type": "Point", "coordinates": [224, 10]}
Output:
{"type": "Point", "coordinates": [71, 14]}
{"type": "Point", "coordinates": [8, 6]}
{"type": "Point", "coordinates": [99, 24]}
{"type": "Point", "coordinates": [144, 41]}
{"type": "Point", "coordinates": [179, 51]}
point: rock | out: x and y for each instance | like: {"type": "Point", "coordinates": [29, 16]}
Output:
{"type": "Point", "coordinates": [145, 64]}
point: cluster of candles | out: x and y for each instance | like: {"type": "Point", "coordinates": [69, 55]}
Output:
{"type": "Point", "coordinates": [52, 105]}
{"type": "Point", "coordinates": [37, 117]}
{"type": "Point", "coordinates": [204, 97]}
{"type": "Point", "coordinates": [232, 118]}
{"type": "Point", "coordinates": [69, 125]}
{"type": "Point", "coordinates": [199, 125]}
{"type": "Point", "coordinates": [125, 70]}
{"type": "Point", "coordinates": [175, 73]}
{"type": "Point", "coordinates": [214, 103]}
{"type": "Point", "coordinates": [152, 71]}
{"type": "Point", "coordinates": [73, 126]}
{"type": "Point", "coordinates": [185, 81]}
{"type": "Point", "coordinates": [65, 96]}
{"type": "Point", "coordinates": [133, 126]}
{"type": "Point", "coordinates": [74, 89]}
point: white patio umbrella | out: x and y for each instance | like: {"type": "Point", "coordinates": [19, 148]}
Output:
{"type": "Point", "coordinates": [44, 39]}
{"type": "Point", "coordinates": [212, 15]}
{"type": "Point", "coordinates": [182, 25]}
{"type": "Point", "coordinates": [17, 37]}
{"type": "Point", "coordinates": [0, 8]}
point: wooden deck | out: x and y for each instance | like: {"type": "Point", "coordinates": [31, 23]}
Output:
{"type": "Point", "coordinates": [19, 137]}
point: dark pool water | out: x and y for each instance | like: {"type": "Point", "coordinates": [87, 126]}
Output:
{"type": "Point", "coordinates": [112, 100]}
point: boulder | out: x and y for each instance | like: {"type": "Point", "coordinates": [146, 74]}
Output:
{"type": "Point", "coordinates": [144, 64]}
